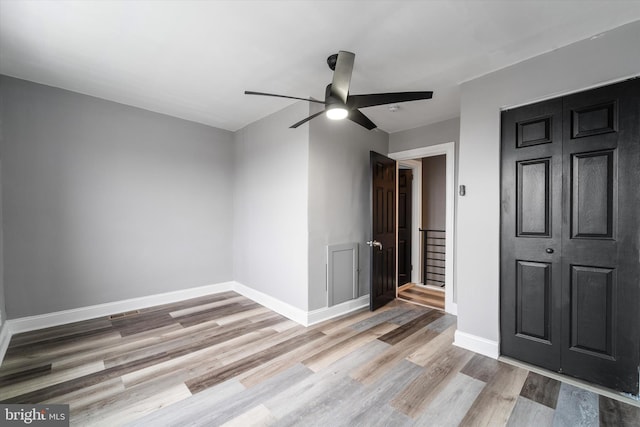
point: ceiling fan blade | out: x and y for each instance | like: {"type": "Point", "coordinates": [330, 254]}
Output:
{"type": "Point", "coordinates": [303, 121]}
{"type": "Point", "coordinates": [342, 75]}
{"type": "Point", "coordinates": [250, 92]}
{"type": "Point", "coordinates": [359, 118]}
{"type": "Point", "coordinates": [373, 99]}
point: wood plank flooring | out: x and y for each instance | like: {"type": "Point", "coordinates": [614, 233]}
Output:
{"type": "Point", "coordinates": [225, 360]}
{"type": "Point", "coordinates": [422, 295]}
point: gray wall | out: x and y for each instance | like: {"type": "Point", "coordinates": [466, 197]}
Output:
{"type": "Point", "coordinates": [424, 136]}
{"type": "Point", "coordinates": [339, 196]}
{"type": "Point", "coordinates": [270, 206]}
{"type": "Point", "coordinates": [434, 196]}
{"type": "Point", "coordinates": [104, 202]}
{"type": "Point", "coordinates": [576, 67]}
{"type": "Point", "coordinates": [3, 309]}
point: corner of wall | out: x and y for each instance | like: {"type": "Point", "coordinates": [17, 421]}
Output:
{"type": "Point", "coordinates": [5, 337]}
{"type": "Point", "coordinates": [477, 344]}
{"type": "Point", "coordinates": [339, 193]}
{"type": "Point", "coordinates": [270, 208]}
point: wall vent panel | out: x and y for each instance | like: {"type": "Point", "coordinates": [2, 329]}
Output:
{"type": "Point", "coordinates": [342, 273]}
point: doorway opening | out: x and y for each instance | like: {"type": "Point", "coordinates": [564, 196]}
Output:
{"type": "Point", "coordinates": [425, 249]}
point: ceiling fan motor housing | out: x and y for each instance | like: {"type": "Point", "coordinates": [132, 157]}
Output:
{"type": "Point", "coordinates": [328, 98]}
{"type": "Point", "coordinates": [331, 61]}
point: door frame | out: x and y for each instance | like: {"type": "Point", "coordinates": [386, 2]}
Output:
{"type": "Point", "coordinates": [416, 214]}
{"type": "Point", "coordinates": [447, 149]}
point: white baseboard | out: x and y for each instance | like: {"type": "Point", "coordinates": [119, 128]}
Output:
{"type": "Point", "coordinates": [326, 313]}
{"type": "Point", "coordinates": [451, 308]}
{"type": "Point", "coordinates": [287, 310]}
{"type": "Point", "coordinates": [477, 344]}
{"type": "Point", "coordinates": [5, 337]}
{"type": "Point", "coordinates": [305, 318]}
{"type": "Point", "coordinates": [41, 321]}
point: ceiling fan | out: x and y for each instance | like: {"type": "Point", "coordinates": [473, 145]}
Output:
{"type": "Point", "coordinates": [339, 104]}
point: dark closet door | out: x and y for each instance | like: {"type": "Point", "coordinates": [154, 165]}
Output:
{"type": "Point", "coordinates": [601, 236]}
{"type": "Point", "coordinates": [531, 229]}
{"type": "Point", "coordinates": [570, 255]}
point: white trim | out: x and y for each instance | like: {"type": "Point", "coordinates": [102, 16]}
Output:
{"type": "Point", "coordinates": [476, 344]}
{"type": "Point", "coordinates": [41, 321]}
{"type": "Point", "coordinates": [428, 151]}
{"type": "Point", "coordinates": [305, 318]}
{"type": "Point", "coordinates": [449, 150]}
{"type": "Point", "coordinates": [326, 313]}
{"type": "Point", "coordinates": [416, 215]}
{"type": "Point", "coordinates": [287, 310]}
{"type": "Point", "coordinates": [5, 337]}
{"type": "Point", "coordinates": [569, 92]}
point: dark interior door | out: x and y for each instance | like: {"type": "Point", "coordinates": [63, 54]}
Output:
{"type": "Point", "coordinates": [601, 236]}
{"type": "Point", "coordinates": [570, 287]}
{"type": "Point", "coordinates": [383, 235]}
{"type": "Point", "coordinates": [531, 225]}
{"type": "Point", "coordinates": [405, 183]}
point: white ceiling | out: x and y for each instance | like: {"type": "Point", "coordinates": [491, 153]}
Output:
{"type": "Point", "coordinates": [194, 59]}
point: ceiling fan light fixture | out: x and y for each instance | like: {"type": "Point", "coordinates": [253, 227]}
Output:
{"type": "Point", "coordinates": [339, 104]}
{"type": "Point", "coordinates": [337, 113]}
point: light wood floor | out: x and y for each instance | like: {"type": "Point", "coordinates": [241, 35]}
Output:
{"type": "Point", "coordinates": [224, 360]}
{"type": "Point", "coordinates": [422, 295]}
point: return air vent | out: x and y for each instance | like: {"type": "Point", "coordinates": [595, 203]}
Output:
{"type": "Point", "coordinates": [342, 273]}
{"type": "Point", "coordinates": [123, 315]}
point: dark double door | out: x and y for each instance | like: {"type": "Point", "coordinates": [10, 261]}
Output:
{"type": "Point", "coordinates": [570, 235]}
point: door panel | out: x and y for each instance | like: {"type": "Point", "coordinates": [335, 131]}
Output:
{"type": "Point", "coordinates": [533, 207]}
{"type": "Point", "coordinates": [570, 251]}
{"type": "Point", "coordinates": [533, 290]}
{"type": "Point", "coordinates": [592, 194]}
{"type": "Point", "coordinates": [600, 244]}
{"type": "Point", "coordinates": [592, 322]}
{"type": "Point", "coordinates": [383, 220]}
{"type": "Point", "coordinates": [531, 275]}
{"type": "Point", "coordinates": [533, 132]}
{"type": "Point", "coordinates": [593, 120]}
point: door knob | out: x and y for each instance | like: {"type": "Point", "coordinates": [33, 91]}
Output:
{"type": "Point", "coordinates": [549, 250]}
{"type": "Point", "coordinates": [375, 243]}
